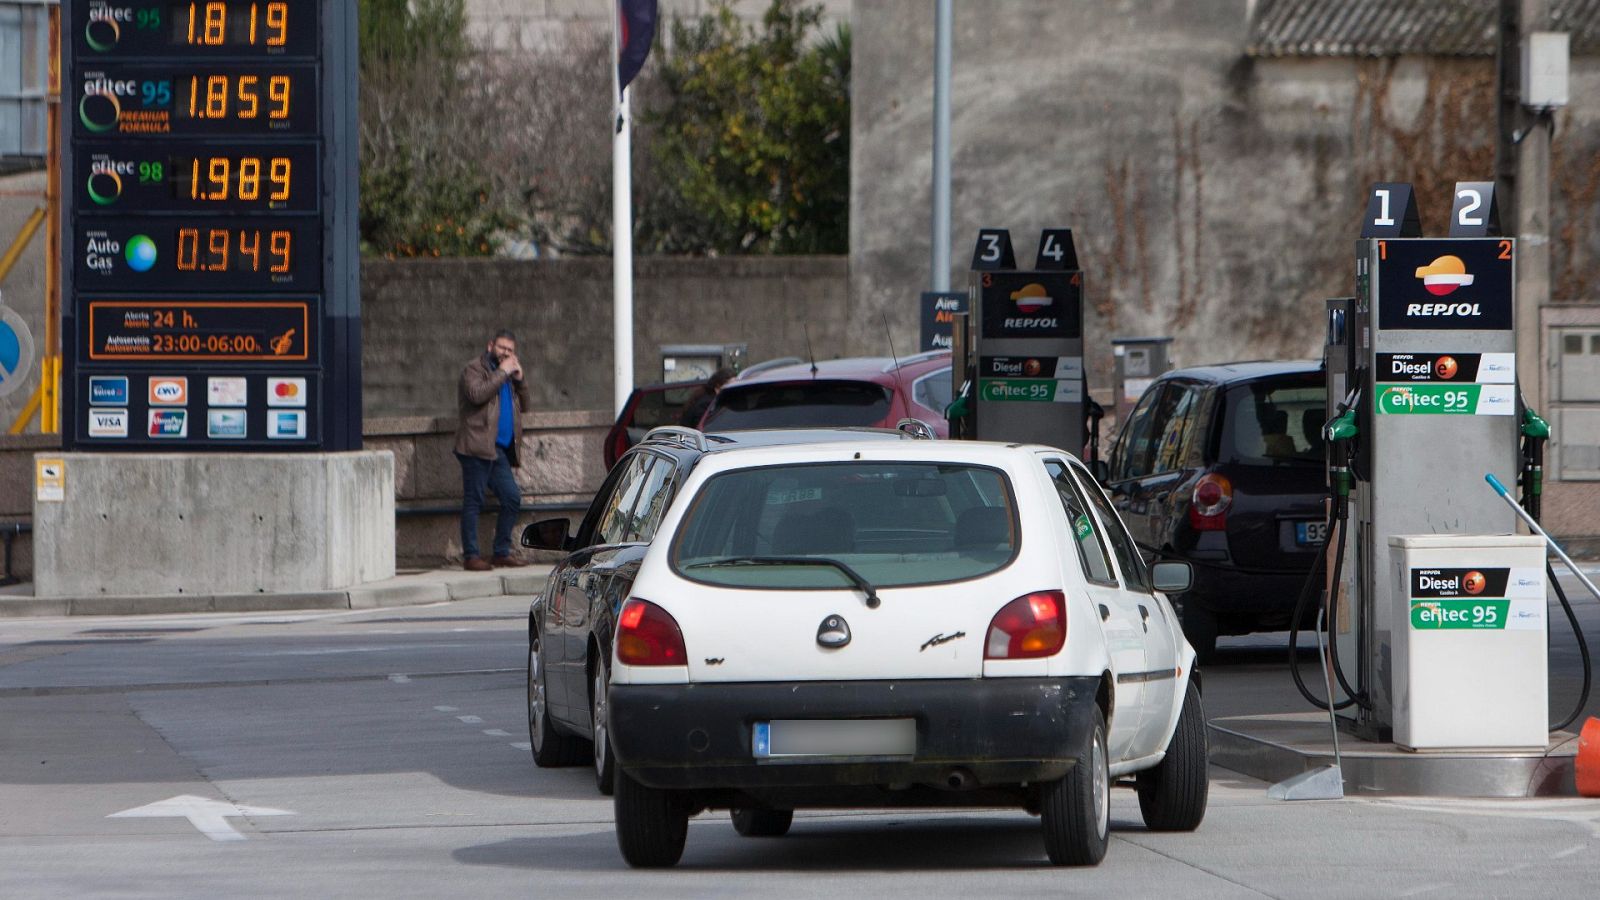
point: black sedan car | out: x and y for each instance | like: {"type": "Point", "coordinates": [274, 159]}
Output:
{"type": "Point", "coordinates": [1222, 466]}
{"type": "Point", "coordinates": [572, 622]}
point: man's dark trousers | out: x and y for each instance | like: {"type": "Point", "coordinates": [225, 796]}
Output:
{"type": "Point", "coordinates": [475, 475]}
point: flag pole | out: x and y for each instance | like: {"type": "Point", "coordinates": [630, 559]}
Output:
{"type": "Point", "coordinates": [621, 231]}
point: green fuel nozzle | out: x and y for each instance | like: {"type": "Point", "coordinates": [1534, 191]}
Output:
{"type": "Point", "coordinates": [1533, 426]}
{"type": "Point", "coordinates": [1342, 428]}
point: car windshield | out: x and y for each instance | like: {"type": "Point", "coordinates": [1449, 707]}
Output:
{"type": "Point", "coordinates": [896, 524]}
{"type": "Point", "coordinates": [800, 405]}
{"type": "Point", "coordinates": [1276, 421]}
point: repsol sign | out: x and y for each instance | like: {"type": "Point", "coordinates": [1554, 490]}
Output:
{"type": "Point", "coordinates": [1455, 284]}
{"type": "Point", "coordinates": [1042, 304]}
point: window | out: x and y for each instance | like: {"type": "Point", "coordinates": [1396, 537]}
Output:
{"type": "Point", "coordinates": [616, 523]}
{"type": "Point", "coordinates": [1128, 558]}
{"type": "Point", "coordinates": [894, 523]}
{"type": "Point", "coordinates": [1136, 446]}
{"type": "Point", "coordinates": [933, 390]}
{"type": "Point", "coordinates": [1096, 565]}
{"type": "Point", "coordinates": [1276, 421]}
{"type": "Point", "coordinates": [1173, 435]}
{"type": "Point", "coordinates": [653, 499]}
{"type": "Point", "coordinates": [809, 404]}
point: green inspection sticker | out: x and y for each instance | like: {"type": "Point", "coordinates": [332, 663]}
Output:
{"type": "Point", "coordinates": [1440, 399]}
{"type": "Point", "coordinates": [1082, 527]}
{"type": "Point", "coordinates": [1476, 613]}
{"type": "Point", "coordinates": [1029, 390]}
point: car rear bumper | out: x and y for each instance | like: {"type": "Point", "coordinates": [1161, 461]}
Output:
{"type": "Point", "coordinates": [1002, 731]}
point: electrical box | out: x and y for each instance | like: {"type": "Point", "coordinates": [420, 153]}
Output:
{"type": "Point", "coordinates": [1469, 642]}
{"type": "Point", "coordinates": [698, 362]}
{"type": "Point", "coordinates": [1545, 55]}
{"type": "Point", "coordinates": [1139, 362]}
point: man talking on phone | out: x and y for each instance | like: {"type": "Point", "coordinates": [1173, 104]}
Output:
{"type": "Point", "coordinates": [491, 397]}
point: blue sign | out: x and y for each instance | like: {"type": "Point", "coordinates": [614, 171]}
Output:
{"type": "Point", "coordinates": [108, 390]}
{"type": "Point", "coordinates": [16, 350]}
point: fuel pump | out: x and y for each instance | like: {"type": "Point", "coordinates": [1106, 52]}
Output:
{"type": "Point", "coordinates": [1423, 403]}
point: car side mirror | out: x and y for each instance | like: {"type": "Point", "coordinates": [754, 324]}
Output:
{"type": "Point", "coordinates": [547, 534]}
{"type": "Point", "coordinates": [1172, 576]}
{"type": "Point", "coordinates": [1100, 470]}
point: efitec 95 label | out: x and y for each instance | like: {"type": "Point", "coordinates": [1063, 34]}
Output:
{"type": "Point", "coordinates": [1497, 599]}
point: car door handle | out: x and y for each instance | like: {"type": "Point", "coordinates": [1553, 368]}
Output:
{"type": "Point", "coordinates": [1105, 612]}
{"type": "Point", "coordinates": [1144, 617]}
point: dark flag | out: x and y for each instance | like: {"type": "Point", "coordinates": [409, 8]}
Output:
{"type": "Point", "coordinates": [636, 29]}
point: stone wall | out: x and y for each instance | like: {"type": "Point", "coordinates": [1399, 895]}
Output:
{"type": "Point", "coordinates": [422, 320]}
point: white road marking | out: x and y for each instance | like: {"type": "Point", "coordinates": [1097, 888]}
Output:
{"type": "Point", "coordinates": [1574, 811]}
{"type": "Point", "coordinates": [527, 746]}
{"type": "Point", "coordinates": [400, 679]}
{"type": "Point", "coordinates": [1507, 871]}
{"type": "Point", "coordinates": [209, 817]}
{"type": "Point", "coordinates": [447, 708]}
{"type": "Point", "coordinates": [1427, 888]}
{"type": "Point", "coordinates": [1568, 852]}
{"type": "Point", "coordinates": [496, 732]}
{"type": "Point", "coordinates": [471, 720]}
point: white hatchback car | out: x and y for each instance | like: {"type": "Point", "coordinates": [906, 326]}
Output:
{"type": "Point", "coordinates": [916, 623]}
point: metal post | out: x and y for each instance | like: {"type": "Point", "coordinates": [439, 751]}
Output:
{"type": "Point", "coordinates": [621, 237]}
{"type": "Point", "coordinates": [1533, 229]}
{"type": "Point", "coordinates": [940, 280]}
{"type": "Point", "coordinates": [50, 353]}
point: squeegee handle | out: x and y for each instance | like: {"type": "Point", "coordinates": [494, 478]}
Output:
{"type": "Point", "coordinates": [1523, 514]}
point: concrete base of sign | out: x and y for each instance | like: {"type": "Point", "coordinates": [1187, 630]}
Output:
{"type": "Point", "coordinates": [182, 523]}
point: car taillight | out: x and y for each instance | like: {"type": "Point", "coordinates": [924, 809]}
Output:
{"type": "Point", "coordinates": [647, 635]}
{"type": "Point", "coordinates": [1208, 507]}
{"type": "Point", "coordinates": [1028, 627]}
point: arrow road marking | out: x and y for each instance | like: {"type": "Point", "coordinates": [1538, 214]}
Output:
{"type": "Point", "coordinates": [209, 817]}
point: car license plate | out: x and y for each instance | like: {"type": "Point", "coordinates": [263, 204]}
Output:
{"type": "Point", "coordinates": [835, 737]}
{"type": "Point", "coordinates": [1309, 533]}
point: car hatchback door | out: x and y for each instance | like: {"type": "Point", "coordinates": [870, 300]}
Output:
{"type": "Point", "coordinates": [845, 570]}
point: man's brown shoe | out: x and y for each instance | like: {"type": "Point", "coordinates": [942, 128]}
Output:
{"type": "Point", "coordinates": [476, 564]}
{"type": "Point", "coordinates": [507, 562]}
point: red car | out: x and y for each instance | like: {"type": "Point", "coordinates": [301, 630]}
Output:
{"type": "Point", "coordinates": [862, 391]}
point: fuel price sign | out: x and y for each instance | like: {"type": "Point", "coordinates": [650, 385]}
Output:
{"type": "Point", "coordinates": [210, 173]}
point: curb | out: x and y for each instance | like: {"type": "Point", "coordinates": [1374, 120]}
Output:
{"type": "Point", "coordinates": [432, 586]}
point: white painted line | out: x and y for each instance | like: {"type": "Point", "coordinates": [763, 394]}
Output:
{"type": "Point", "coordinates": [400, 679]}
{"type": "Point", "coordinates": [209, 817]}
{"type": "Point", "coordinates": [471, 720]}
{"type": "Point", "coordinates": [1568, 852]}
{"type": "Point", "coordinates": [447, 708]}
{"type": "Point", "coordinates": [527, 746]}
{"type": "Point", "coordinates": [1427, 888]}
{"type": "Point", "coordinates": [495, 732]}
{"type": "Point", "coordinates": [1507, 871]}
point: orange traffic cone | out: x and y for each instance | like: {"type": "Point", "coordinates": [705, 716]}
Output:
{"type": "Point", "coordinates": [1587, 767]}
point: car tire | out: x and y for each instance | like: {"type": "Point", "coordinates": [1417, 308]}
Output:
{"type": "Point", "coordinates": [599, 716]}
{"type": "Point", "coordinates": [551, 748]}
{"type": "Point", "coordinates": [1076, 810]}
{"type": "Point", "coordinates": [652, 824]}
{"type": "Point", "coordinates": [1200, 628]}
{"type": "Point", "coordinates": [762, 822]}
{"type": "Point", "coordinates": [1172, 796]}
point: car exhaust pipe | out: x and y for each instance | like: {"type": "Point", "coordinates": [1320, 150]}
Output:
{"type": "Point", "coordinates": [959, 779]}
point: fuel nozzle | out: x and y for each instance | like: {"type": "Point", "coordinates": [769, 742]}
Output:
{"type": "Point", "coordinates": [1535, 427]}
{"type": "Point", "coordinates": [1339, 431]}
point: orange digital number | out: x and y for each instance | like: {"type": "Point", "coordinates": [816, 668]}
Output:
{"type": "Point", "coordinates": [1383, 249]}
{"type": "Point", "coordinates": [279, 173]}
{"type": "Point", "coordinates": [250, 178]}
{"type": "Point", "coordinates": [217, 243]}
{"type": "Point", "coordinates": [278, 92]}
{"type": "Point", "coordinates": [217, 171]}
{"type": "Point", "coordinates": [247, 94]}
{"type": "Point", "coordinates": [277, 24]}
{"type": "Point", "coordinates": [1505, 250]}
{"type": "Point", "coordinates": [279, 247]}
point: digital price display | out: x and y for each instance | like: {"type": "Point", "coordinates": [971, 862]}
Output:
{"type": "Point", "coordinates": [196, 101]}
{"type": "Point", "coordinates": [238, 178]}
{"type": "Point", "coordinates": [221, 27]}
{"type": "Point", "coordinates": [200, 330]}
{"type": "Point", "coordinates": [213, 254]}
{"type": "Point", "coordinates": [209, 166]}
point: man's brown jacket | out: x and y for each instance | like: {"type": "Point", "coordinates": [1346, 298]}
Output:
{"type": "Point", "coordinates": [478, 398]}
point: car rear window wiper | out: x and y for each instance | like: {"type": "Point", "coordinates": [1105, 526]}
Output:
{"type": "Point", "coordinates": [855, 577]}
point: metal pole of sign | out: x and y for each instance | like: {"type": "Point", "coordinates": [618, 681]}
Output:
{"type": "Point", "coordinates": [621, 234]}
{"type": "Point", "coordinates": [940, 280]}
{"type": "Point", "coordinates": [50, 355]}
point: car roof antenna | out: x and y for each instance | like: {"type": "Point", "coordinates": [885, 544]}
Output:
{"type": "Point", "coordinates": [809, 354]}
{"type": "Point", "coordinates": [889, 337]}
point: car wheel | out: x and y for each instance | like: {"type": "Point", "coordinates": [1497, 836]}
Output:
{"type": "Point", "coordinates": [1172, 796]}
{"type": "Point", "coordinates": [551, 748]}
{"type": "Point", "coordinates": [1200, 627]}
{"type": "Point", "coordinates": [762, 822]}
{"type": "Point", "coordinates": [599, 714]}
{"type": "Point", "coordinates": [1076, 811]}
{"type": "Point", "coordinates": [652, 824]}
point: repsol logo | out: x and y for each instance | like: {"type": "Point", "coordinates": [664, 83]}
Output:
{"type": "Point", "coordinates": [1443, 309]}
{"type": "Point", "coordinates": [1033, 323]}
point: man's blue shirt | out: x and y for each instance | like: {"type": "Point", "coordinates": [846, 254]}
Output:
{"type": "Point", "coordinates": [507, 414]}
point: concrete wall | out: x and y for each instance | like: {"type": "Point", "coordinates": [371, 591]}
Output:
{"type": "Point", "coordinates": [422, 320]}
{"type": "Point", "coordinates": [166, 524]}
{"type": "Point", "coordinates": [542, 25]}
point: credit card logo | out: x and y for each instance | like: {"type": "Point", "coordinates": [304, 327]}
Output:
{"type": "Point", "coordinates": [169, 391]}
{"type": "Point", "coordinates": [169, 423]}
{"type": "Point", "coordinates": [108, 423]}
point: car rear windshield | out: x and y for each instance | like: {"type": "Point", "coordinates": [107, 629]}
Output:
{"type": "Point", "coordinates": [1276, 421]}
{"type": "Point", "coordinates": [798, 405]}
{"type": "Point", "coordinates": [894, 524]}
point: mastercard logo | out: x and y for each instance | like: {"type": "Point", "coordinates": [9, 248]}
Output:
{"type": "Point", "coordinates": [1446, 367]}
{"type": "Point", "coordinates": [286, 389]}
{"type": "Point", "coordinates": [1444, 275]}
{"type": "Point", "coordinates": [1474, 582]}
{"type": "Point", "coordinates": [1031, 298]}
